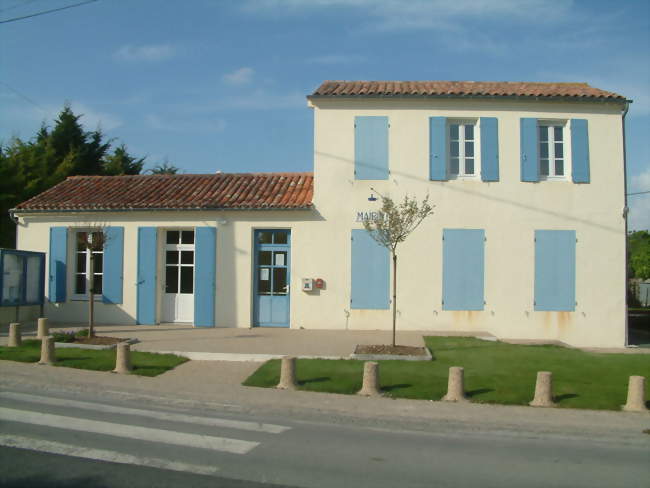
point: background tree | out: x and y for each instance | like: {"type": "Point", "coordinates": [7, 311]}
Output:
{"type": "Point", "coordinates": [31, 167]}
{"type": "Point", "coordinates": [639, 249]}
{"type": "Point", "coordinates": [166, 168]}
{"type": "Point", "coordinates": [395, 225]}
{"type": "Point", "coordinates": [122, 163]}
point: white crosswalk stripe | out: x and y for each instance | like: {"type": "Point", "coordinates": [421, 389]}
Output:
{"type": "Point", "coordinates": [102, 455]}
{"type": "Point", "coordinates": [234, 446]}
{"type": "Point", "coordinates": [169, 416]}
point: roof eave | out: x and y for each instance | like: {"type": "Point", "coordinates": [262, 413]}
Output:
{"type": "Point", "coordinates": [489, 97]}
{"type": "Point", "coordinates": [18, 211]}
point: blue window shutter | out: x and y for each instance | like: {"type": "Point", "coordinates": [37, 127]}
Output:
{"type": "Point", "coordinates": [579, 151]}
{"type": "Point", "coordinates": [529, 151]}
{"type": "Point", "coordinates": [438, 148]}
{"type": "Point", "coordinates": [146, 291]}
{"type": "Point", "coordinates": [205, 276]}
{"type": "Point", "coordinates": [489, 149]}
{"type": "Point", "coordinates": [58, 264]}
{"type": "Point", "coordinates": [371, 148]}
{"type": "Point", "coordinates": [555, 270]}
{"type": "Point", "coordinates": [370, 273]}
{"type": "Point", "coordinates": [113, 282]}
{"type": "Point", "coordinates": [463, 269]}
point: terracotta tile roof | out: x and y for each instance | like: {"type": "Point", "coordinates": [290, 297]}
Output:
{"type": "Point", "coordinates": [184, 192]}
{"type": "Point", "coordinates": [580, 91]}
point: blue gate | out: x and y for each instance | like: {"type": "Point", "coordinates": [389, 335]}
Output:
{"type": "Point", "coordinates": [271, 290]}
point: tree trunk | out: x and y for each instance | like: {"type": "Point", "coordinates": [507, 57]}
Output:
{"type": "Point", "coordinates": [394, 295]}
{"type": "Point", "coordinates": [91, 297]}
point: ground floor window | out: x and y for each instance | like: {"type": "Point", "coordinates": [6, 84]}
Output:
{"type": "Point", "coordinates": [88, 263]}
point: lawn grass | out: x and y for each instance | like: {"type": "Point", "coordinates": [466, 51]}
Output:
{"type": "Point", "coordinates": [144, 363]}
{"type": "Point", "coordinates": [495, 372]}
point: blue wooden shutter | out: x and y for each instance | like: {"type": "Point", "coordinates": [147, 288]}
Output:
{"type": "Point", "coordinates": [438, 148]}
{"type": "Point", "coordinates": [205, 276]}
{"type": "Point", "coordinates": [371, 148]}
{"type": "Point", "coordinates": [463, 269]}
{"type": "Point", "coordinates": [529, 151]}
{"type": "Point", "coordinates": [370, 273]}
{"type": "Point", "coordinates": [113, 281]}
{"type": "Point", "coordinates": [489, 149]}
{"type": "Point", "coordinates": [58, 263]}
{"type": "Point", "coordinates": [146, 291]}
{"type": "Point", "coordinates": [579, 151]}
{"type": "Point", "coordinates": [555, 270]}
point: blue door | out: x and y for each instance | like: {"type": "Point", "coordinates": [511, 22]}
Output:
{"type": "Point", "coordinates": [271, 283]}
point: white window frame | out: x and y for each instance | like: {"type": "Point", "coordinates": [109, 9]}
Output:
{"type": "Point", "coordinates": [84, 296]}
{"type": "Point", "coordinates": [566, 149]}
{"type": "Point", "coordinates": [461, 149]}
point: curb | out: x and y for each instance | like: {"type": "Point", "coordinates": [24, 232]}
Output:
{"type": "Point", "coordinates": [394, 357]}
{"type": "Point", "coordinates": [72, 345]}
{"type": "Point", "coordinates": [234, 357]}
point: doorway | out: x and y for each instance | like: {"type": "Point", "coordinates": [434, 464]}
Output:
{"type": "Point", "coordinates": [271, 289]}
{"type": "Point", "coordinates": [178, 296]}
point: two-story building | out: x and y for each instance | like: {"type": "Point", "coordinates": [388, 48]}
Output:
{"type": "Point", "coordinates": [527, 240]}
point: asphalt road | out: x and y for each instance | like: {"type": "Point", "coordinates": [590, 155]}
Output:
{"type": "Point", "coordinates": [76, 440]}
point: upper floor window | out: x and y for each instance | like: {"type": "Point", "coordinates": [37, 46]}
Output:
{"type": "Point", "coordinates": [87, 245]}
{"type": "Point", "coordinates": [551, 151]}
{"type": "Point", "coordinates": [462, 155]}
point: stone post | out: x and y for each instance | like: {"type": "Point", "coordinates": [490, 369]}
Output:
{"type": "Point", "coordinates": [43, 329]}
{"type": "Point", "coordinates": [456, 385]}
{"type": "Point", "coordinates": [48, 356]}
{"type": "Point", "coordinates": [15, 339]}
{"type": "Point", "coordinates": [543, 390]}
{"type": "Point", "coordinates": [370, 379]}
{"type": "Point", "coordinates": [636, 395]}
{"type": "Point", "coordinates": [123, 358]}
{"type": "Point", "coordinates": [288, 374]}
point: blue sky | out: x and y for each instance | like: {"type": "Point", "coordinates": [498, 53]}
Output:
{"type": "Point", "coordinates": [221, 85]}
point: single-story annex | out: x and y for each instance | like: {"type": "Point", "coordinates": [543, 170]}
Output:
{"type": "Point", "coordinates": [527, 240]}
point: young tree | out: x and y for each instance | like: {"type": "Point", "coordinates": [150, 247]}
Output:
{"type": "Point", "coordinates": [94, 242]}
{"type": "Point", "coordinates": [398, 221]}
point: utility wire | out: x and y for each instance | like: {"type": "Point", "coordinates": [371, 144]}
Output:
{"type": "Point", "coordinates": [26, 2]}
{"type": "Point", "coordinates": [639, 193]}
{"type": "Point", "coordinates": [46, 12]}
{"type": "Point", "coordinates": [24, 97]}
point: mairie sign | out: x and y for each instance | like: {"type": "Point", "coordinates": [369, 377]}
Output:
{"type": "Point", "coordinates": [369, 216]}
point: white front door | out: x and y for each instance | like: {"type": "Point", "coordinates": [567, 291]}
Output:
{"type": "Point", "coordinates": [178, 296]}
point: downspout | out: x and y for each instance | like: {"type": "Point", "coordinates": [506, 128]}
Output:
{"type": "Point", "coordinates": [625, 213]}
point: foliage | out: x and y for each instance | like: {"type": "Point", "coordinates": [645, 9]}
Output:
{"type": "Point", "coordinates": [395, 225]}
{"type": "Point", "coordinates": [28, 168]}
{"type": "Point", "coordinates": [65, 336]}
{"type": "Point", "coordinates": [495, 372]}
{"type": "Point", "coordinates": [166, 168]}
{"type": "Point", "coordinates": [639, 254]}
{"type": "Point", "coordinates": [144, 363]}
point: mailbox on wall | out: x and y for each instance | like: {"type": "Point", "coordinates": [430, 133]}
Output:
{"type": "Point", "coordinates": [22, 278]}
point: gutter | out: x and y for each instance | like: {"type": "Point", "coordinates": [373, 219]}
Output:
{"type": "Point", "coordinates": [625, 213]}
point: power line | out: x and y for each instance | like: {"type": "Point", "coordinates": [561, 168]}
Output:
{"type": "Point", "coordinates": [26, 2]}
{"type": "Point", "coordinates": [24, 97]}
{"type": "Point", "coordinates": [639, 193]}
{"type": "Point", "coordinates": [46, 12]}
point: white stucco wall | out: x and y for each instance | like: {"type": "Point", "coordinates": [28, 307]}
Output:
{"type": "Point", "coordinates": [509, 211]}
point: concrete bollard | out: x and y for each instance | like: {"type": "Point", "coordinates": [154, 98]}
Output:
{"type": "Point", "coordinates": [48, 356]}
{"type": "Point", "coordinates": [15, 339]}
{"type": "Point", "coordinates": [288, 374]}
{"type": "Point", "coordinates": [456, 385]}
{"type": "Point", "coordinates": [123, 358]}
{"type": "Point", "coordinates": [43, 329]}
{"type": "Point", "coordinates": [636, 395]}
{"type": "Point", "coordinates": [543, 390]}
{"type": "Point", "coordinates": [370, 379]}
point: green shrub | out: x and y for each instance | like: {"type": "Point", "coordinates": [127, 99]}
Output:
{"type": "Point", "coordinates": [65, 336]}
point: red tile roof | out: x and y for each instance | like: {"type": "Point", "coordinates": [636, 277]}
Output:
{"type": "Point", "coordinates": [183, 192]}
{"type": "Point", "coordinates": [580, 91]}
